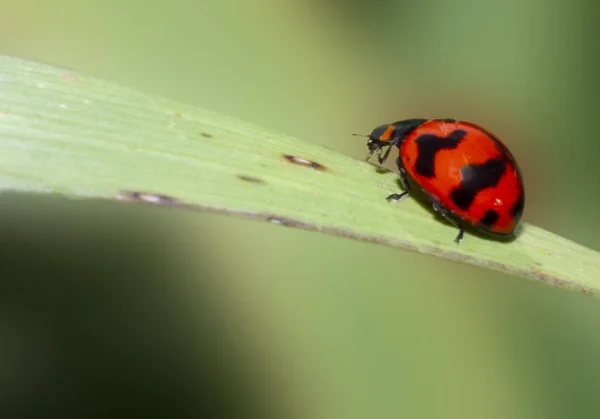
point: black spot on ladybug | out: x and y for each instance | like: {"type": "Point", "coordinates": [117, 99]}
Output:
{"type": "Point", "coordinates": [429, 145]}
{"type": "Point", "coordinates": [250, 179]}
{"type": "Point", "coordinates": [206, 135]}
{"type": "Point", "coordinates": [475, 178]}
{"type": "Point", "coordinates": [490, 218]}
{"type": "Point", "coordinates": [517, 209]}
{"type": "Point", "coordinates": [304, 162]}
{"type": "Point", "coordinates": [147, 198]}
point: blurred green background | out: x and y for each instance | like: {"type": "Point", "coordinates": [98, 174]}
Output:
{"type": "Point", "coordinates": [111, 308]}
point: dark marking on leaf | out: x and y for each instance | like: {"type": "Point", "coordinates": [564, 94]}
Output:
{"type": "Point", "coordinates": [304, 162]}
{"type": "Point", "coordinates": [429, 145]}
{"type": "Point", "coordinates": [206, 135]}
{"type": "Point", "coordinates": [147, 198]}
{"type": "Point", "coordinates": [475, 178]}
{"type": "Point", "coordinates": [250, 179]}
{"type": "Point", "coordinates": [283, 221]}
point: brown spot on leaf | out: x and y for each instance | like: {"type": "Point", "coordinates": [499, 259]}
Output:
{"type": "Point", "coordinates": [304, 162]}
{"type": "Point", "coordinates": [282, 221]}
{"type": "Point", "coordinates": [546, 277]}
{"type": "Point", "coordinates": [147, 198]}
{"type": "Point", "coordinates": [206, 135]}
{"type": "Point", "coordinates": [70, 76]}
{"type": "Point", "coordinates": [250, 179]}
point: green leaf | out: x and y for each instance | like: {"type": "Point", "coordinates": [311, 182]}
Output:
{"type": "Point", "coordinates": [64, 133]}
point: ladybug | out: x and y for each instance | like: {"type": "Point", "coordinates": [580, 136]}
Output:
{"type": "Point", "coordinates": [467, 174]}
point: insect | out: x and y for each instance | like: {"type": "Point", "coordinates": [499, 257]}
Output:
{"type": "Point", "coordinates": [467, 174]}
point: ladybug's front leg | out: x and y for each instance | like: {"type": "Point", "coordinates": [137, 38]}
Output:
{"type": "Point", "coordinates": [382, 158]}
{"type": "Point", "coordinates": [444, 213]}
{"type": "Point", "coordinates": [405, 185]}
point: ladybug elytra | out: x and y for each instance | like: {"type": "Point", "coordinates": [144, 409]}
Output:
{"type": "Point", "coordinates": [467, 174]}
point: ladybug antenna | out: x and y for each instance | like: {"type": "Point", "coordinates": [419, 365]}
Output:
{"type": "Point", "coordinates": [360, 135]}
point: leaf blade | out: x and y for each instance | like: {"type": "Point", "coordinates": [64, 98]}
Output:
{"type": "Point", "coordinates": [61, 132]}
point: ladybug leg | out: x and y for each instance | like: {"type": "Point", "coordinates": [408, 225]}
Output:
{"type": "Point", "coordinates": [383, 158]}
{"type": "Point", "coordinates": [461, 233]}
{"type": "Point", "coordinates": [403, 177]}
{"type": "Point", "coordinates": [397, 196]}
{"type": "Point", "coordinates": [405, 185]}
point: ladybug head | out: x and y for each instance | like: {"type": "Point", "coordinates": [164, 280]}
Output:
{"type": "Point", "coordinates": [381, 137]}
{"type": "Point", "coordinates": [389, 135]}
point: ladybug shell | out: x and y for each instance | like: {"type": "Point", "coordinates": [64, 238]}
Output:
{"type": "Point", "coordinates": [465, 169]}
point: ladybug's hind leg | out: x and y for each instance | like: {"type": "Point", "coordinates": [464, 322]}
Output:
{"type": "Point", "coordinates": [444, 213]}
{"type": "Point", "coordinates": [461, 235]}
{"type": "Point", "coordinates": [405, 185]}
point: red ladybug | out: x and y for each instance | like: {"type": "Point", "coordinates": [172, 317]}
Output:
{"type": "Point", "coordinates": [463, 170]}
